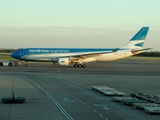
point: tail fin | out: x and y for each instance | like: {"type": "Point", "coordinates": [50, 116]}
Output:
{"type": "Point", "coordinates": [138, 39]}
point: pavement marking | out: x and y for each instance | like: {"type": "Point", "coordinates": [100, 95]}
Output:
{"type": "Point", "coordinates": [63, 111]}
{"type": "Point", "coordinates": [106, 108]}
{"type": "Point", "coordinates": [100, 105]}
{"type": "Point", "coordinates": [89, 106]}
{"type": "Point", "coordinates": [67, 100]}
{"type": "Point", "coordinates": [108, 102]}
{"type": "Point", "coordinates": [94, 110]}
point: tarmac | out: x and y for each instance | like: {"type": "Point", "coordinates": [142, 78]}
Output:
{"type": "Point", "coordinates": [65, 93]}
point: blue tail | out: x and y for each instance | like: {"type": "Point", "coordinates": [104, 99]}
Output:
{"type": "Point", "coordinates": [141, 34]}
{"type": "Point", "coordinates": [138, 39]}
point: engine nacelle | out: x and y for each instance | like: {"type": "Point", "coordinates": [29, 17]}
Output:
{"type": "Point", "coordinates": [63, 61]}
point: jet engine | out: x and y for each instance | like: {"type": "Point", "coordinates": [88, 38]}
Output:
{"type": "Point", "coordinates": [63, 61]}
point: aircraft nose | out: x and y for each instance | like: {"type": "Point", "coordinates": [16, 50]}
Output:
{"type": "Point", "coordinates": [15, 55]}
{"type": "Point", "coordinates": [12, 55]}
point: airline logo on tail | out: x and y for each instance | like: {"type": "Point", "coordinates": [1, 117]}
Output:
{"type": "Point", "coordinates": [141, 34]}
{"type": "Point", "coordinates": [138, 39]}
{"type": "Point", "coordinates": [139, 44]}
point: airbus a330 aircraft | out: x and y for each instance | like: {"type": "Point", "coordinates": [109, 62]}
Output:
{"type": "Point", "coordinates": [79, 56]}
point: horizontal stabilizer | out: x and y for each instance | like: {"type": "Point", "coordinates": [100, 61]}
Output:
{"type": "Point", "coordinates": [139, 50]}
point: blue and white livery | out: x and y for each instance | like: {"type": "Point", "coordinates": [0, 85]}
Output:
{"type": "Point", "coordinates": [80, 56]}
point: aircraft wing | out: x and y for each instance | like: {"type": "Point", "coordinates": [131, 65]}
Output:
{"type": "Point", "coordinates": [94, 54]}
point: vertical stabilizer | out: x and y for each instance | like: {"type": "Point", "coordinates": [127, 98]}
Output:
{"type": "Point", "coordinates": [138, 39]}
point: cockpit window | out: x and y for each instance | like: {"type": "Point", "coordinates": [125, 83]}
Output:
{"type": "Point", "coordinates": [18, 52]}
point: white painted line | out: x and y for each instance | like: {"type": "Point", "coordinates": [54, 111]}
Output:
{"type": "Point", "coordinates": [94, 110]}
{"type": "Point", "coordinates": [108, 102]}
{"type": "Point", "coordinates": [89, 106]}
{"type": "Point", "coordinates": [106, 108]}
{"type": "Point", "coordinates": [100, 105]}
{"type": "Point", "coordinates": [64, 112]}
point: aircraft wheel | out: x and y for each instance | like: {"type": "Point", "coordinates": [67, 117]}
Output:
{"type": "Point", "coordinates": [84, 66]}
{"type": "Point", "coordinates": [80, 65]}
{"type": "Point", "coordinates": [10, 64]}
{"type": "Point", "coordinates": [26, 65]}
{"type": "Point", "coordinates": [75, 65]}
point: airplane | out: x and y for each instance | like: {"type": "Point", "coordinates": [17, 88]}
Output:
{"type": "Point", "coordinates": [80, 56]}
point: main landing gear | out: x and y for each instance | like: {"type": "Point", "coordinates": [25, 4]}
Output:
{"type": "Point", "coordinates": [26, 64]}
{"type": "Point", "coordinates": [79, 65]}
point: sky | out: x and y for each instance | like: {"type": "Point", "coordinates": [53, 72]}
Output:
{"type": "Point", "coordinates": [77, 23]}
